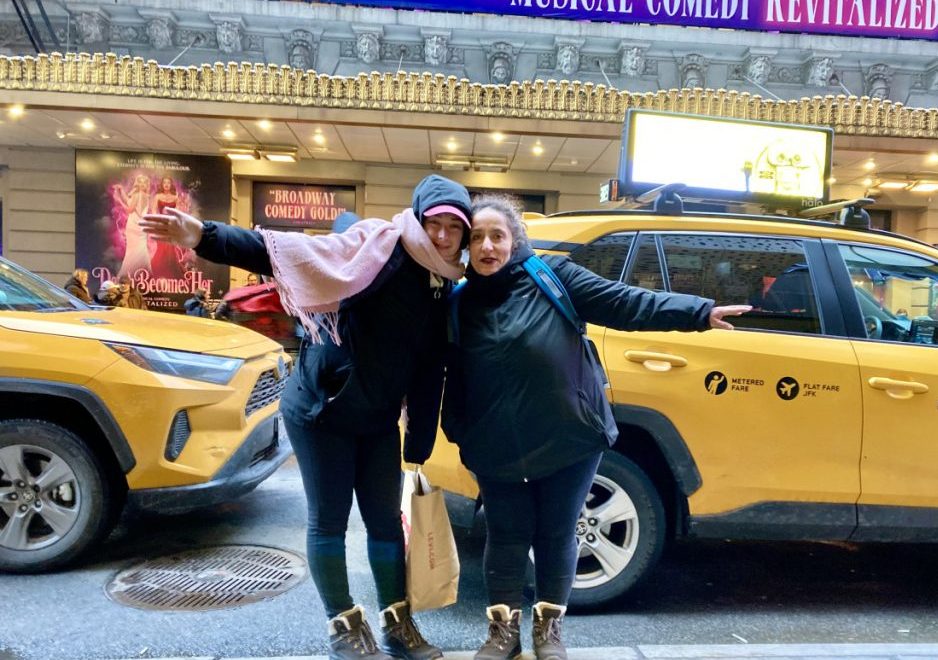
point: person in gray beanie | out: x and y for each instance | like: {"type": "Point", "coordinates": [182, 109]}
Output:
{"type": "Point", "coordinates": [343, 400]}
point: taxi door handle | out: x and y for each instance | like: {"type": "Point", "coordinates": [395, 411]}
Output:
{"type": "Point", "coordinates": [898, 389]}
{"type": "Point", "coordinates": [656, 361]}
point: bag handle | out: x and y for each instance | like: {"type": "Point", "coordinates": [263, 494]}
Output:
{"type": "Point", "coordinates": [420, 481]}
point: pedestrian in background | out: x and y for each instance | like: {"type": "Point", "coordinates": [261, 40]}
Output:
{"type": "Point", "coordinates": [128, 295]}
{"type": "Point", "coordinates": [197, 304]}
{"type": "Point", "coordinates": [108, 294]}
{"type": "Point", "coordinates": [77, 285]}
{"type": "Point", "coordinates": [373, 303]}
{"type": "Point", "coordinates": [526, 406]}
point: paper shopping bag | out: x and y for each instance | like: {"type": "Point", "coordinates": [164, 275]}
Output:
{"type": "Point", "coordinates": [432, 562]}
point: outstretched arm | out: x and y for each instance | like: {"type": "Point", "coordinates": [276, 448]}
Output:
{"type": "Point", "coordinates": [214, 241]}
{"type": "Point", "coordinates": [616, 305]}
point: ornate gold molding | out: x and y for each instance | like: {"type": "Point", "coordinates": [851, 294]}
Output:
{"type": "Point", "coordinates": [85, 73]}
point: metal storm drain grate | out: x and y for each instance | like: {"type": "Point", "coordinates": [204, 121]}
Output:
{"type": "Point", "coordinates": [208, 579]}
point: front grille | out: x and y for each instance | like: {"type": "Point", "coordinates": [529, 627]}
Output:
{"type": "Point", "coordinates": [267, 390]}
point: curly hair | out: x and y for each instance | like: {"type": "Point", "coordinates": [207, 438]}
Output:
{"type": "Point", "coordinates": [509, 209]}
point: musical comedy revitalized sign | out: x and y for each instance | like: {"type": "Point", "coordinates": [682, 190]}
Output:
{"type": "Point", "coordinates": [908, 19]}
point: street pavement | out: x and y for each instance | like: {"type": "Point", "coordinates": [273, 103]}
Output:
{"type": "Point", "coordinates": [704, 652]}
{"type": "Point", "coordinates": [707, 600]}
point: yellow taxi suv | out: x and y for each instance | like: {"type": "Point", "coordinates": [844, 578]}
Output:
{"type": "Point", "coordinates": [101, 407]}
{"type": "Point", "coordinates": [814, 419]}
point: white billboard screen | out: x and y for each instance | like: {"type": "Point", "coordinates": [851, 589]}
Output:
{"type": "Point", "coordinates": [718, 158]}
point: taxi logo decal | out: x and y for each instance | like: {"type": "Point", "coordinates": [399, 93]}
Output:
{"type": "Point", "coordinates": [715, 382]}
{"type": "Point", "coordinates": [787, 388]}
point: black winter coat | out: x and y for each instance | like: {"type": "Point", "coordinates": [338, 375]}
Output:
{"type": "Point", "coordinates": [393, 339]}
{"type": "Point", "coordinates": [393, 346]}
{"type": "Point", "coordinates": [522, 397]}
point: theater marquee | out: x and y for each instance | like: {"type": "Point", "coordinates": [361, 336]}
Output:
{"type": "Point", "coordinates": [909, 19]}
{"type": "Point", "coordinates": [300, 206]}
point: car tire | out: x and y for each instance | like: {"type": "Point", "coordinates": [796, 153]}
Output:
{"type": "Point", "coordinates": [55, 494]}
{"type": "Point", "coordinates": [620, 534]}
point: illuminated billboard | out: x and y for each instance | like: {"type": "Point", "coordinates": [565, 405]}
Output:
{"type": "Point", "coordinates": [774, 164]}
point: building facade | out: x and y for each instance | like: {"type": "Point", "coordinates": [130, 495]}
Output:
{"type": "Point", "coordinates": [375, 98]}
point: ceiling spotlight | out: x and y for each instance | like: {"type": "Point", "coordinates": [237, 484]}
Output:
{"type": "Point", "coordinates": [264, 124]}
{"type": "Point", "coordinates": [867, 182]}
{"type": "Point", "coordinates": [16, 111]}
{"type": "Point", "coordinates": [574, 161]}
{"type": "Point", "coordinates": [87, 124]}
{"type": "Point", "coordinates": [105, 136]}
{"type": "Point", "coordinates": [831, 180]}
{"type": "Point", "coordinates": [61, 134]}
{"type": "Point", "coordinates": [319, 138]}
{"type": "Point", "coordinates": [933, 158]}
{"type": "Point", "coordinates": [498, 136]}
{"type": "Point", "coordinates": [869, 165]}
{"type": "Point", "coordinates": [451, 145]}
{"type": "Point", "coordinates": [228, 134]}
{"type": "Point", "coordinates": [537, 149]}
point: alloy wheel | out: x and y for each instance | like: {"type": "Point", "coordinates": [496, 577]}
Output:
{"type": "Point", "coordinates": [607, 534]}
{"type": "Point", "coordinates": [40, 498]}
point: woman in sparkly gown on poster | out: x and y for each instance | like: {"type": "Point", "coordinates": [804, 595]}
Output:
{"type": "Point", "coordinates": [136, 244]}
{"type": "Point", "coordinates": [168, 260]}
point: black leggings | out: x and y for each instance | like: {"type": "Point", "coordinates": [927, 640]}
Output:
{"type": "Point", "coordinates": [540, 513]}
{"type": "Point", "coordinates": [332, 467]}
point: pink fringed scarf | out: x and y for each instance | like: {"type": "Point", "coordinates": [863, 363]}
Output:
{"type": "Point", "coordinates": [314, 273]}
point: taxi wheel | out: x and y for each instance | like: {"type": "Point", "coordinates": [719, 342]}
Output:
{"type": "Point", "coordinates": [55, 499]}
{"type": "Point", "coordinates": [620, 533]}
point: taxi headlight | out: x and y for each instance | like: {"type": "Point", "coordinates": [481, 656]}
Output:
{"type": "Point", "coordinates": [196, 366]}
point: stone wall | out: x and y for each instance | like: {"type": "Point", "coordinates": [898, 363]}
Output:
{"type": "Point", "coordinates": [348, 40]}
{"type": "Point", "coordinates": [38, 189]}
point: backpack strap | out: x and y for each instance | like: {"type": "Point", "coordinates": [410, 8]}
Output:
{"type": "Point", "coordinates": [548, 282]}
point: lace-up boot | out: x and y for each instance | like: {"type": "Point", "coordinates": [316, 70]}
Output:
{"type": "Point", "coordinates": [400, 637]}
{"type": "Point", "coordinates": [548, 619]}
{"type": "Point", "coordinates": [504, 642]}
{"type": "Point", "coordinates": [350, 638]}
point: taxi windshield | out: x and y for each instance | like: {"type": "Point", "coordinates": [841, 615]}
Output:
{"type": "Point", "coordinates": [21, 291]}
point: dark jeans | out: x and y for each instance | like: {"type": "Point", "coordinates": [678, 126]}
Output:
{"type": "Point", "coordinates": [332, 467]}
{"type": "Point", "coordinates": [541, 514]}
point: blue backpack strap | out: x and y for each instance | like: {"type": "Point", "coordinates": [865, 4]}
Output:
{"type": "Point", "coordinates": [453, 329]}
{"type": "Point", "coordinates": [548, 282]}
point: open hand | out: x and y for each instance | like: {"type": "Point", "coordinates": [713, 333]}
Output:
{"type": "Point", "coordinates": [717, 314]}
{"type": "Point", "coordinates": [173, 226]}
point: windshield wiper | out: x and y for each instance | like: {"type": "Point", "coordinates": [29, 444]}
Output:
{"type": "Point", "coordinates": [55, 309]}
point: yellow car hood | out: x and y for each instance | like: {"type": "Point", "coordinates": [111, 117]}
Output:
{"type": "Point", "coordinates": [131, 326]}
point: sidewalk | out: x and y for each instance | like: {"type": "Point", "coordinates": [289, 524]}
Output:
{"type": "Point", "coordinates": [707, 652]}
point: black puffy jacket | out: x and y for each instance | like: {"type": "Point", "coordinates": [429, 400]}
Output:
{"type": "Point", "coordinates": [522, 398]}
{"type": "Point", "coordinates": [393, 339]}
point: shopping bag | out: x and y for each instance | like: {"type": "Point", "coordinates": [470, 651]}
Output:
{"type": "Point", "coordinates": [432, 561]}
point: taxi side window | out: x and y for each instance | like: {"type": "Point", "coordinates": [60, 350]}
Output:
{"type": "Point", "coordinates": [646, 269]}
{"type": "Point", "coordinates": [771, 274]}
{"type": "Point", "coordinates": [897, 293]}
{"type": "Point", "coordinates": [605, 256]}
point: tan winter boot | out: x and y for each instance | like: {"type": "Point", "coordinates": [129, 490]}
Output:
{"type": "Point", "coordinates": [548, 618]}
{"type": "Point", "coordinates": [350, 638]}
{"type": "Point", "coordinates": [400, 637]}
{"type": "Point", "coordinates": [504, 642]}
